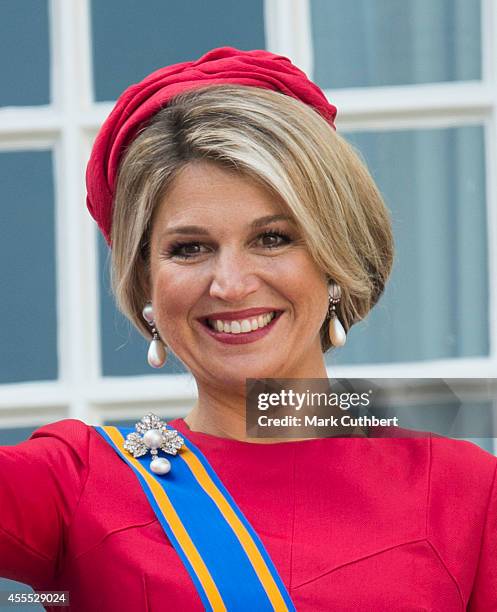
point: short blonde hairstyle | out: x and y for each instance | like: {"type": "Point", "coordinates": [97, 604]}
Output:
{"type": "Point", "coordinates": [283, 144]}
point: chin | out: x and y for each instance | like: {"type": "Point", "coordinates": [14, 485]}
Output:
{"type": "Point", "coordinates": [238, 374]}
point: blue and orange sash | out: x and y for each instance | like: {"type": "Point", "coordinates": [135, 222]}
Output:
{"type": "Point", "coordinates": [222, 553]}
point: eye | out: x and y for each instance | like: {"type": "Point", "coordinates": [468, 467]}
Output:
{"type": "Point", "coordinates": [274, 238]}
{"type": "Point", "coordinates": [184, 250]}
{"type": "Point", "coordinates": [269, 239]}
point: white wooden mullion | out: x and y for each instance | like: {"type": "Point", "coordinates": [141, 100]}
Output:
{"type": "Point", "coordinates": [91, 351]}
{"type": "Point", "coordinates": [25, 142]}
{"type": "Point", "coordinates": [478, 367]}
{"type": "Point", "coordinates": [182, 386]}
{"type": "Point", "coordinates": [29, 121]}
{"type": "Point", "coordinates": [93, 117]}
{"type": "Point", "coordinates": [422, 102]}
{"type": "Point", "coordinates": [288, 31]}
{"type": "Point", "coordinates": [278, 26]}
{"type": "Point", "coordinates": [33, 394]}
{"type": "Point", "coordinates": [75, 232]}
{"type": "Point", "coordinates": [30, 416]}
{"type": "Point", "coordinates": [303, 46]}
{"type": "Point", "coordinates": [61, 192]}
{"type": "Point", "coordinates": [83, 56]}
{"type": "Point", "coordinates": [409, 121]}
{"type": "Point", "coordinates": [412, 100]}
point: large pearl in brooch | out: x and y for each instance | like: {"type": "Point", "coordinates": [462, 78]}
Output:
{"type": "Point", "coordinates": [160, 465]}
{"type": "Point", "coordinates": [153, 438]}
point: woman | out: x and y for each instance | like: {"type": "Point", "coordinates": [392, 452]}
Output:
{"type": "Point", "coordinates": [247, 238]}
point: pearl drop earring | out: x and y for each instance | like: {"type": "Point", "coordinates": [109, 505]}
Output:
{"type": "Point", "coordinates": [337, 334]}
{"type": "Point", "coordinates": [157, 354]}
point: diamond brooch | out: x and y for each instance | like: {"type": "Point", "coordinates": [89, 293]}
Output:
{"type": "Point", "coordinates": [153, 435]}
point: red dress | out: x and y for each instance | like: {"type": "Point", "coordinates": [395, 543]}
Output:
{"type": "Point", "coordinates": [351, 524]}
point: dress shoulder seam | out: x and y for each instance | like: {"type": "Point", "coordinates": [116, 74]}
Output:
{"type": "Point", "coordinates": [450, 574]}
{"type": "Point", "coordinates": [428, 492]}
{"type": "Point", "coordinates": [83, 486]}
{"type": "Point", "coordinates": [30, 549]}
{"type": "Point", "coordinates": [485, 522]}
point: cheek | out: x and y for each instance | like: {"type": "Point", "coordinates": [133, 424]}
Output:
{"type": "Point", "coordinates": [172, 295]}
{"type": "Point", "coordinates": [306, 277]}
{"type": "Point", "coordinates": [176, 291]}
{"type": "Point", "coordinates": [309, 285]}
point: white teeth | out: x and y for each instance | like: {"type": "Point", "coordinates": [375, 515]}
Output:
{"type": "Point", "coordinates": [246, 326]}
{"type": "Point", "coordinates": [242, 326]}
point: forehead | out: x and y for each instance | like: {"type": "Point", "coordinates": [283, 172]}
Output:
{"type": "Point", "coordinates": [204, 192]}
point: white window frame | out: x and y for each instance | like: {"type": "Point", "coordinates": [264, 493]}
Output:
{"type": "Point", "coordinates": [68, 125]}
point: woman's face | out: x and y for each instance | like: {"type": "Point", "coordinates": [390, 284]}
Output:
{"type": "Point", "coordinates": [215, 252]}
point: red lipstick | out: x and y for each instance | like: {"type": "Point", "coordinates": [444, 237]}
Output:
{"type": "Point", "coordinates": [234, 315]}
{"type": "Point", "coordinates": [242, 337]}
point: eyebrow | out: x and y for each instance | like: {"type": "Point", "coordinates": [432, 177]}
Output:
{"type": "Point", "coordinates": [197, 229]}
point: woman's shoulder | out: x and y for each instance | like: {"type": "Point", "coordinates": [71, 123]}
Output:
{"type": "Point", "coordinates": [72, 433]}
{"type": "Point", "coordinates": [65, 428]}
{"type": "Point", "coordinates": [461, 473]}
{"type": "Point", "coordinates": [442, 452]}
{"type": "Point", "coordinates": [461, 455]}
{"type": "Point", "coordinates": [58, 444]}
{"type": "Point", "coordinates": [448, 470]}
{"type": "Point", "coordinates": [69, 435]}
{"type": "Point", "coordinates": [462, 512]}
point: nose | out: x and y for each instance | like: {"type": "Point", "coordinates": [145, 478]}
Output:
{"type": "Point", "coordinates": [234, 278]}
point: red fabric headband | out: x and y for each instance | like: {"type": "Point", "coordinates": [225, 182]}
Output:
{"type": "Point", "coordinates": [141, 101]}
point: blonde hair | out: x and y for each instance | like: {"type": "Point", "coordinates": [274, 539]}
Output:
{"type": "Point", "coordinates": [283, 144]}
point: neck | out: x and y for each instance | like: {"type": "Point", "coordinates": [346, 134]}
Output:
{"type": "Point", "coordinates": [221, 411]}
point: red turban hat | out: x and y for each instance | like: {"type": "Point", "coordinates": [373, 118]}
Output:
{"type": "Point", "coordinates": [141, 101]}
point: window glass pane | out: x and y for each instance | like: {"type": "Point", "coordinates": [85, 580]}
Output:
{"type": "Point", "coordinates": [131, 39]}
{"type": "Point", "coordinates": [18, 587]}
{"type": "Point", "coordinates": [122, 422]}
{"type": "Point", "coordinates": [124, 350]}
{"type": "Point", "coordinates": [363, 43]}
{"type": "Point", "coordinates": [27, 268]}
{"type": "Point", "coordinates": [487, 444]}
{"type": "Point", "coordinates": [436, 302]}
{"type": "Point", "coordinates": [25, 56]}
{"type": "Point", "coordinates": [14, 435]}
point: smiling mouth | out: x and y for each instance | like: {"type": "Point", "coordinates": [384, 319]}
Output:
{"type": "Point", "coordinates": [242, 326]}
